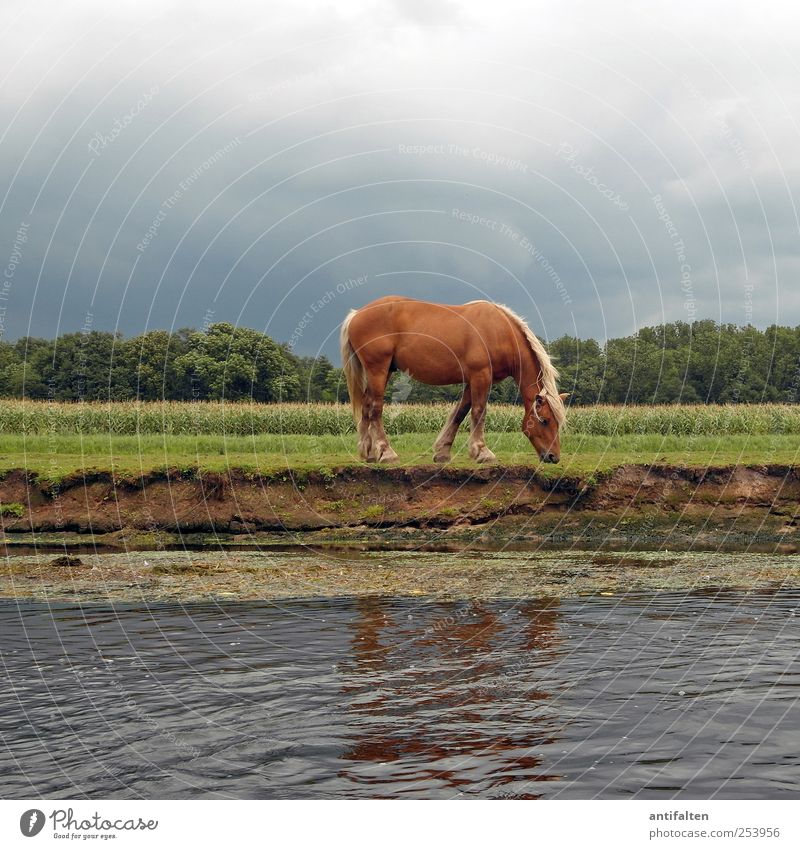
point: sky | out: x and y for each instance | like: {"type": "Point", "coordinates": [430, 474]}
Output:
{"type": "Point", "coordinates": [597, 167]}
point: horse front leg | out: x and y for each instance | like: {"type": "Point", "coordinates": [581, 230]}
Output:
{"type": "Point", "coordinates": [480, 387]}
{"type": "Point", "coordinates": [444, 442]}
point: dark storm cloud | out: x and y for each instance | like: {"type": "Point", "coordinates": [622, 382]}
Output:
{"type": "Point", "coordinates": [275, 167]}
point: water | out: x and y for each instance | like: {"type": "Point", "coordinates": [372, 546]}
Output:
{"type": "Point", "coordinates": [652, 696]}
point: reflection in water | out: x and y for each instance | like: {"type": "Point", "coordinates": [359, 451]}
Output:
{"type": "Point", "coordinates": [655, 696]}
{"type": "Point", "coordinates": [459, 668]}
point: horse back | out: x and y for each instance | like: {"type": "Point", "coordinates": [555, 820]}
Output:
{"type": "Point", "coordinates": [435, 343]}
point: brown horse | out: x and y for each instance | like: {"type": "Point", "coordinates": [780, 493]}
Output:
{"type": "Point", "coordinates": [476, 344]}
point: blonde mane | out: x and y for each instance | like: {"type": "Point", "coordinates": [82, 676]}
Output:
{"type": "Point", "coordinates": [548, 372]}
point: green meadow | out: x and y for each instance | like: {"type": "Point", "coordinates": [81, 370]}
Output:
{"type": "Point", "coordinates": [58, 439]}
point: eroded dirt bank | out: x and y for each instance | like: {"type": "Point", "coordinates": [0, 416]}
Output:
{"type": "Point", "coordinates": [499, 505]}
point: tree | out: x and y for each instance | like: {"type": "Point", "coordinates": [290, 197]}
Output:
{"type": "Point", "coordinates": [76, 366]}
{"type": "Point", "coordinates": [145, 366]}
{"type": "Point", "coordinates": [237, 363]}
{"type": "Point", "coordinates": [581, 364]}
{"type": "Point", "coordinates": [320, 380]}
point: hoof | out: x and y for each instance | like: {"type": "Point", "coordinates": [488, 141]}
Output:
{"type": "Point", "coordinates": [388, 455]}
{"type": "Point", "coordinates": [486, 456]}
{"type": "Point", "coordinates": [441, 457]}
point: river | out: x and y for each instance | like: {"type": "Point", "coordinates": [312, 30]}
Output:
{"type": "Point", "coordinates": [642, 695]}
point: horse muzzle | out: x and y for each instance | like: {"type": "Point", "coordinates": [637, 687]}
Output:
{"type": "Point", "coordinates": [549, 457]}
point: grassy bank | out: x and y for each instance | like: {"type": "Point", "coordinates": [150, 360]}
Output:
{"type": "Point", "coordinates": [54, 440]}
{"type": "Point", "coordinates": [54, 456]}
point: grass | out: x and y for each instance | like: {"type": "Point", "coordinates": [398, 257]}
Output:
{"type": "Point", "coordinates": [59, 439]}
{"type": "Point", "coordinates": [57, 455]}
{"type": "Point", "coordinates": [246, 419]}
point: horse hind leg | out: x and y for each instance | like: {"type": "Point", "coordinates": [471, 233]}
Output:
{"type": "Point", "coordinates": [381, 450]}
{"type": "Point", "coordinates": [365, 432]}
{"type": "Point", "coordinates": [444, 442]}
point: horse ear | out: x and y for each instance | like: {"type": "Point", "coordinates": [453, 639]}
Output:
{"type": "Point", "coordinates": [564, 395]}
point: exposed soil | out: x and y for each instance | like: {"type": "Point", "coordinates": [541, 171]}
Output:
{"type": "Point", "coordinates": [632, 503]}
{"type": "Point", "coordinates": [498, 525]}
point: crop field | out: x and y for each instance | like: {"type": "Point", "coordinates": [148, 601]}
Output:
{"type": "Point", "coordinates": [175, 418]}
{"type": "Point", "coordinates": [55, 439]}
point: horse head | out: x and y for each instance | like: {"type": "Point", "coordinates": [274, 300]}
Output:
{"type": "Point", "coordinates": [541, 426]}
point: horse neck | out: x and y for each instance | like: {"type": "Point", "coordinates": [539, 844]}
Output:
{"type": "Point", "coordinates": [528, 377]}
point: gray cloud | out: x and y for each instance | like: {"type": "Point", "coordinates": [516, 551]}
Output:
{"type": "Point", "coordinates": [595, 169]}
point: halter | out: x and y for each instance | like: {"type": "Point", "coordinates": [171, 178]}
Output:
{"type": "Point", "coordinates": [541, 394]}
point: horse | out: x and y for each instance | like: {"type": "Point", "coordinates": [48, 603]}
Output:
{"type": "Point", "coordinates": [476, 344]}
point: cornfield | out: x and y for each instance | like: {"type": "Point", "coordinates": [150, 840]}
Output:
{"type": "Point", "coordinates": [242, 419]}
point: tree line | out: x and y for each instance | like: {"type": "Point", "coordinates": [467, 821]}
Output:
{"type": "Point", "coordinates": [698, 362]}
{"type": "Point", "coordinates": [222, 361]}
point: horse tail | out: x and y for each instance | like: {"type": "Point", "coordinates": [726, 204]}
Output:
{"type": "Point", "coordinates": [354, 371]}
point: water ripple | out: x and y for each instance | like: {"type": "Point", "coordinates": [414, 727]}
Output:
{"type": "Point", "coordinates": [655, 696]}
